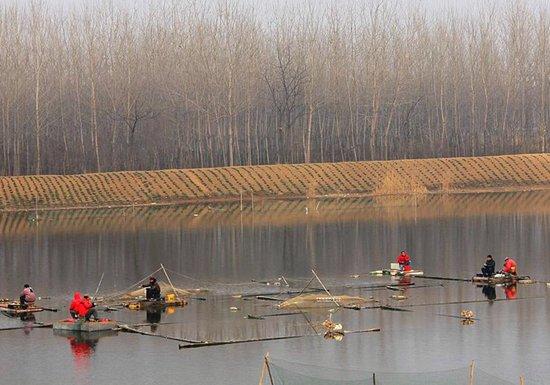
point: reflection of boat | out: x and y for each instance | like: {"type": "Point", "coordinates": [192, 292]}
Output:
{"type": "Point", "coordinates": [85, 336]}
{"type": "Point", "coordinates": [84, 326]}
{"type": "Point", "coordinates": [398, 273]}
{"type": "Point", "coordinates": [16, 309]}
{"type": "Point", "coordinates": [503, 279]}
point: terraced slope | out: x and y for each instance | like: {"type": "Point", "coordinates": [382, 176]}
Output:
{"type": "Point", "coordinates": [276, 181]}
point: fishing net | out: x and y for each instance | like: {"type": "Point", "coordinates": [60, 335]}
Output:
{"type": "Point", "coordinates": [291, 373]}
{"type": "Point", "coordinates": [165, 289]}
{"type": "Point", "coordinates": [322, 300]}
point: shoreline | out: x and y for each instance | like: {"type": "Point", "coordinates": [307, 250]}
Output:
{"type": "Point", "coordinates": [505, 173]}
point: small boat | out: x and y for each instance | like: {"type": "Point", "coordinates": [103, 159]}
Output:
{"type": "Point", "coordinates": [503, 279]}
{"type": "Point", "coordinates": [85, 336]}
{"type": "Point", "coordinates": [84, 326]}
{"type": "Point", "coordinates": [397, 273]}
{"type": "Point", "coordinates": [15, 309]}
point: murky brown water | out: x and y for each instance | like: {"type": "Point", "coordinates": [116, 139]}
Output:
{"type": "Point", "coordinates": [224, 248]}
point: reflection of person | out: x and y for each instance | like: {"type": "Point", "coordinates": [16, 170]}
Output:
{"type": "Point", "coordinates": [153, 317]}
{"type": "Point", "coordinates": [27, 297]}
{"type": "Point", "coordinates": [490, 292]}
{"type": "Point", "coordinates": [510, 291]}
{"type": "Point", "coordinates": [152, 291]}
{"type": "Point", "coordinates": [82, 349]}
{"type": "Point", "coordinates": [488, 268]}
{"type": "Point", "coordinates": [404, 261]}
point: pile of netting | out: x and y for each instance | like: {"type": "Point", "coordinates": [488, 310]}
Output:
{"type": "Point", "coordinates": [322, 299]}
{"type": "Point", "coordinates": [283, 372]}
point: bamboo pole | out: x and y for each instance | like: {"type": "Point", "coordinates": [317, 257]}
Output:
{"type": "Point", "coordinates": [98, 286]}
{"type": "Point", "coordinates": [471, 377]}
{"type": "Point", "coordinates": [262, 374]}
{"type": "Point", "coordinates": [169, 281]}
{"type": "Point", "coordinates": [324, 287]}
{"type": "Point", "coordinates": [266, 360]}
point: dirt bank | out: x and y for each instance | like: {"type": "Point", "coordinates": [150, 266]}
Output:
{"type": "Point", "coordinates": [118, 189]}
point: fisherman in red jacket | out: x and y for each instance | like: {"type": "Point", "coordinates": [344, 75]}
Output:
{"type": "Point", "coordinates": [404, 261]}
{"type": "Point", "coordinates": [510, 266]}
{"type": "Point", "coordinates": [87, 309]}
{"type": "Point", "coordinates": [75, 305]}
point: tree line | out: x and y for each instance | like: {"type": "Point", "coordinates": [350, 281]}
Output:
{"type": "Point", "coordinates": [183, 84]}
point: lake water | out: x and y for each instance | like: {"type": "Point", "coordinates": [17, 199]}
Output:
{"type": "Point", "coordinates": [224, 247]}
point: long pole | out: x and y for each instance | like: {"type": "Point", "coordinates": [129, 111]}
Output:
{"type": "Point", "coordinates": [266, 360]}
{"type": "Point", "coordinates": [325, 288]}
{"type": "Point", "coordinates": [472, 367]}
{"type": "Point", "coordinates": [169, 281]}
{"type": "Point", "coordinates": [98, 285]}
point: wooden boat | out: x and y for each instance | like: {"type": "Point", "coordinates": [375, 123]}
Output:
{"type": "Point", "coordinates": [15, 309]}
{"type": "Point", "coordinates": [503, 279]}
{"type": "Point", "coordinates": [397, 273]}
{"type": "Point", "coordinates": [84, 326]}
{"type": "Point", "coordinates": [159, 305]}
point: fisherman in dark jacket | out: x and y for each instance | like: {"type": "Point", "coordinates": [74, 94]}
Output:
{"type": "Point", "coordinates": [488, 269]}
{"type": "Point", "coordinates": [152, 291]}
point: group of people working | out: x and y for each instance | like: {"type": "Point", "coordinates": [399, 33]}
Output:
{"type": "Point", "coordinates": [83, 307]}
{"type": "Point", "coordinates": [488, 269]}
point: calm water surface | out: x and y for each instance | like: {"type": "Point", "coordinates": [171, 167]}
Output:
{"type": "Point", "coordinates": [222, 249]}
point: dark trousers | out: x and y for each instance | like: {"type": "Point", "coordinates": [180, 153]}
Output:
{"type": "Point", "coordinates": [487, 272]}
{"type": "Point", "coordinates": [22, 301]}
{"type": "Point", "coordinates": [91, 313]}
{"type": "Point", "coordinates": [151, 293]}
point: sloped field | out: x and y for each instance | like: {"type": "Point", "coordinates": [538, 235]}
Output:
{"type": "Point", "coordinates": [276, 181]}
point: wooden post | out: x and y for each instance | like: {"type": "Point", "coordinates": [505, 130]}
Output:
{"type": "Point", "coordinates": [471, 379]}
{"type": "Point", "coordinates": [373, 378]}
{"type": "Point", "coordinates": [521, 380]}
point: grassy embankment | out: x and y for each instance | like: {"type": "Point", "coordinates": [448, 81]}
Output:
{"type": "Point", "coordinates": [378, 178]}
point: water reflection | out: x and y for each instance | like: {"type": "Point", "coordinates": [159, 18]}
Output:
{"type": "Point", "coordinates": [83, 345]}
{"type": "Point", "coordinates": [489, 292]}
{"type": "Point", "coordinates": [511, 291]}
{"type": "Point", "coordinates": [223, 249]}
